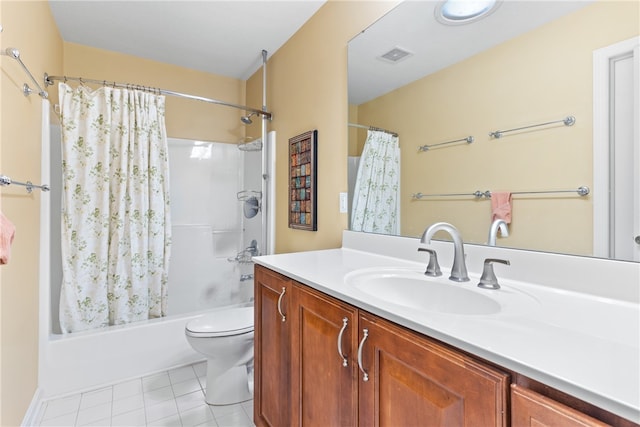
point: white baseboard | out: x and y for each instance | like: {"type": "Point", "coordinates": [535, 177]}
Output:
{"type": "Point", "coordinates": [34, 412]}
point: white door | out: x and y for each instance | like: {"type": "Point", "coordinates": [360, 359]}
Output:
{"type": "Point", "coordinates": [617, 151]}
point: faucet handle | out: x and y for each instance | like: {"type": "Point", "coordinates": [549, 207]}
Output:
{"type": "Point", "coordinates": [433, 269]}
{"type": "Point", "coordinates": [488, 280]}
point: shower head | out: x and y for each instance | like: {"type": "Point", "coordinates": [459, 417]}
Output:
{"type": "Point", "coordinates": [247, 119]}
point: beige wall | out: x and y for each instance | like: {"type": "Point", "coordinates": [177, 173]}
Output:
{"type": "Point", "coordinates": [541, 76]}
{"type": "Point", "coordinates": [307, 89]}
{"type": "Point", "coordinates": [20, 142]}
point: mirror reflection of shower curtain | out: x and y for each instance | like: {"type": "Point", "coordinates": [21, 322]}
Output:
{"type": "Point", "coordinates": [116, 227]}
{"type": "Point", "coordinates": [376, 199]}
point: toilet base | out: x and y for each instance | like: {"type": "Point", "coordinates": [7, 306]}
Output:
{"type": "Point", "coordinates": [233, 386]}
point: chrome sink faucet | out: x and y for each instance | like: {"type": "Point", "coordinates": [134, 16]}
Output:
{"type": "Point", "coordinates": [493, 231]}
{"type": "Point", "coordinates": [459, 268]}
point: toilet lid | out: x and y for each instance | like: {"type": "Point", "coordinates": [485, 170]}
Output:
{"type": "Point", "coordinates": [233, 321]}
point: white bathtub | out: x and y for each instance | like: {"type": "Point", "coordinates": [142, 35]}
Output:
{"type": "Point", "coordinates": [87, 360]}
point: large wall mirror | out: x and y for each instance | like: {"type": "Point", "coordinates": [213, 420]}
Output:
{"type": "Point", "coordinates": [529, 66]}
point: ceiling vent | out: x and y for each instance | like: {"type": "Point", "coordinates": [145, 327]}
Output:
{"type": "Point", "coordinates": [395, 55]}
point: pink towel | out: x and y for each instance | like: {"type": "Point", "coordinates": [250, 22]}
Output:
{"type": "Point", "coordinates": [501, 206]}
{"type": "Point", "coordinates": [7, 231]}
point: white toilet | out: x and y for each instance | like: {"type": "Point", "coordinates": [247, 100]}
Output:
{"type": "Point", "coordinates": [225, 337]}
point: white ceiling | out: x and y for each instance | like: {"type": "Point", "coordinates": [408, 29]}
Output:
{"type": "Point", "coordinates": [226, 37]}
{"type": "Point", "coordinates": [216, 36]}
{"type": "Point", "coordinates": [413, 27]}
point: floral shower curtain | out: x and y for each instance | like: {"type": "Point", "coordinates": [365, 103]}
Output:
{"type": "Point", "coordinates": [116, 227]}
{"type": "Point", "coordinates": [376, 202]}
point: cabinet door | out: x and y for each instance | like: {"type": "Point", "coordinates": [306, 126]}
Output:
{"type": "Point", "coordinates": [530, 409]}
{"type": "Point", "coordinates": [415, 381]}
{"type": "Point", "coordinates": [324, 381]}
{"type": "Point", "coordinates": [272, 348]}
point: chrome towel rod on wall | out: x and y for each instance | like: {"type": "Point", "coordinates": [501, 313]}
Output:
{"type": "Point", "coordinates": [568, 121]}
{"type": "Point", "coordinates": [14, 53]}
{"type": "Point", "coordinates": [5, 180]}
{"type": "Point", "coordinates": [468, 140]}
{"type": "Point", "coordinates": [581, 191]}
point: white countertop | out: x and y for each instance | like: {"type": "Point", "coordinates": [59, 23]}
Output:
{"type": "Point", "coordinates": [586, 344]}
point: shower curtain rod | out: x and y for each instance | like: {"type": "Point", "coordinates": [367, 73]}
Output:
{"type": "Point", "coordinates": [373, 128]}
{"type": "Point", "coordinates": [48, 81]}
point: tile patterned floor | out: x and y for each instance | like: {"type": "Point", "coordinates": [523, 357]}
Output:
{"type": "Point", "coordinates": [174, 398]}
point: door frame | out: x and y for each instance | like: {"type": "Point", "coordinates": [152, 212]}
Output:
{"type": "Point", "coordinates": [601, 133]}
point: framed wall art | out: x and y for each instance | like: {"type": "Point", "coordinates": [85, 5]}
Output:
{"type": "Point", "coordinates": [302, 181]}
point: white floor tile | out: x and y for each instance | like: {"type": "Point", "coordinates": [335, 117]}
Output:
{"type": "Point", "coordinates": [181, 374]}
{"type": "Point", "coordinates": [189, 401]}
{"type": "Point", "coordinates": [62, 406]}
{"type": "Point", "coordinates": [127, 404]}
{"type": "Point", "coordinates": [158, 395]}
{"type": "Point", "coordinates": [161, 410]}
{"type": "Point", "coordinates": [235, 419]}
{"type": "Point", "coordinates": [248, 408]}
{"type": "Point", "coordinates": [93, 414]}
{"type": "Point", "coordinates": [135, 418]}
{"type": "Point", "coordinates": [220, 411]}
{"type": "Point", "coordinates": [64, 420]}
{"type": "Point", "coordinates": [186, 387]}
{"type": "Point", "coordinates": [174, 398]}
{"type": "Point", "coordinates": [97, 397]}
{"type": "Point", "coordinates": [203, 381]}
{"type": "Point", "coordinates": [155, 381]}
{"type": "Point", "coordinates": [106, 422]}
{"type": "Point", "coordinates": [196, 416]}
{"type": "Point", "coordinates": [126, 389]}
{"type": "Point", "coordinates": [172, 421]}
{"type": "Point", "coordinates": [200, 369]}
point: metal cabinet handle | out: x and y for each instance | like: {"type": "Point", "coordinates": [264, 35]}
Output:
{"type": "Point", "coordinates": [284, 318]}
{"type": "Point", "coordinates": [345, 321]}
{"type": "Point", "coordinates": [365, 375]}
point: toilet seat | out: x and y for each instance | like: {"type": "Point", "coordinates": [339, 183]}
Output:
{"type": "Point", "coordinates": [223, 323]}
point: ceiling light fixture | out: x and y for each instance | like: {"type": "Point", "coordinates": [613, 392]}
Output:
{"type": "Point", "coordinates": [458, 12]}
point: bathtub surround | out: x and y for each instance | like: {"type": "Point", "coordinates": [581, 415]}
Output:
{"type": "Point", "coordinates": [208, 228]}
{"type": "Point", "coordinates": [116, 232]}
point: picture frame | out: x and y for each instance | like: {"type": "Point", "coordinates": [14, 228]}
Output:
{"type": "Point", "coordinates": [303, 191]}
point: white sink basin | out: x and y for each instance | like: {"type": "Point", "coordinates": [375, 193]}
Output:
{"type": "Point", "coordinates": [412, 289]}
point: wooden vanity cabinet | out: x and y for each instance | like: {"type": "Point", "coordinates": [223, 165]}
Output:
{"type": "Point", "coordinates": [530, 409]}
{"type": "Point", "coordinates": [306, 368]}
{"type": "Point", "coordinates": [412, 380]}
{"type": "Point", "coordinates": [415, 381]}
{"type": "Point", "coordinates": [272, 348]}
{"type": "Point", "coordinates": [323, 368]}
